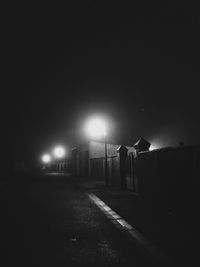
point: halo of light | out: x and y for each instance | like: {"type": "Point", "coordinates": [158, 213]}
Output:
{"type": "Point", "coordinates": [59, 152]}
{"type": "Point", "coordinates": [46, 158]}
{"type": "Point", "coordinates": [155, 145]}
{"type": "Point", "coordinates": [95, 127]}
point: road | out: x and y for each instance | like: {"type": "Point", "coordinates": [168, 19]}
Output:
{"type": "Point", "coordinates": [50, 221]}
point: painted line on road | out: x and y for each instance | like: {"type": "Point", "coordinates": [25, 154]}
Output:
{"type": "Point", "coordinates": [138, 239]}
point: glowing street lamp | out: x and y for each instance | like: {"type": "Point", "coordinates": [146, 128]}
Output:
{"type": "Point", "coordinates": [96, 128]}
{"type": "Point", "coordinates": [46, 158]}
{"type": "Point", "coordinates": [59, 152]}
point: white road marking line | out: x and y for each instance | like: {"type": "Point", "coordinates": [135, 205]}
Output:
{"type": "Point", "coordinates": [123, 223]}
{"type": "Point", "coordinates": [133, 233]}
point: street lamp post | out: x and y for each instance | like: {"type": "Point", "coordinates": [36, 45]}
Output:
{"type": "Point", "coordinates": [59, 153]}
{"type": "Point", "coordinates": [96, 128]}
{"type": "Point", "coordinates": [106, 159]}
{"type": "Point", "coordinates": [46, 159]}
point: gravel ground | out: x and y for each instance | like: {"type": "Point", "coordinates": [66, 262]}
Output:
{"type": "Point", "coordinates": [50, 221]}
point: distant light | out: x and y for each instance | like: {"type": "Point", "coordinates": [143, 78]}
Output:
{"type": "Point", "coordinates": [96, 127]}
{"type": "Point", "coordinates": [46, 158]}
{"type": "Point", "coordinates": [155, 145]}
{"type": "Point", "coordinates": [152, 147]}
{"type": "Point", "coordinates": [59, 152]}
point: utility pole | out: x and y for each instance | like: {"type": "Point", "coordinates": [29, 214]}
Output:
{"type": "Point", "coordinates": [106, 160]}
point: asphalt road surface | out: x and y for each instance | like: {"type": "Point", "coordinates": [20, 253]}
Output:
{"type": "Point", "coordinates": [50, 221]}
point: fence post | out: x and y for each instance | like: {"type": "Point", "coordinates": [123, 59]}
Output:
{"type": "Point", "coordinates": [122, 150]}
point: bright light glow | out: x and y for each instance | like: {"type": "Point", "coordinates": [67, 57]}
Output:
{"type": "Point", "coordinates": [96, 128]}
{"type": "Point", "coordinates": [154, 146]}
{"type": "Point", "coordinates": [59, 152]}
{"type": "Point", "coordinates": [46, 158]}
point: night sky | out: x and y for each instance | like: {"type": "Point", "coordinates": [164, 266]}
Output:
{"type": "Point", "coordinates": [134, 62]}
